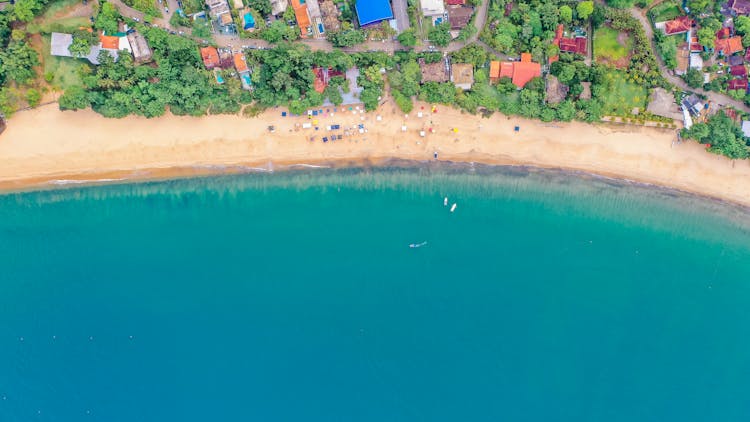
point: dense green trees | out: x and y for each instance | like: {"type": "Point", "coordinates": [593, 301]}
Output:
{"type": "Point", "coordinates": [440, 34]}
{"type": "Point", "coordinates": [262, 6]}
{"type": "Point", "coordinates": [346, 37]}
{"type": "Point", "coordinates": [407, 38]}
{"type": "Point", "coordinates": [620, 4]}
{"type": "Point", "coordinates": [107, 18]}
{"type": "Point", "coordinates": [694, 78]}
{"type": "Point", "coordinates": [279, 31]}
{"type": "Point", "coordinates": [584, 9]}
{"type": "Point", "coordinates": [17, 62]}
{"type": "Point", "coordinates": [724, 136]}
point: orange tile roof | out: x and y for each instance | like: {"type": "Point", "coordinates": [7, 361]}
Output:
{"type": "Point", "coordinates": [506, 70]}
{"type": "Point", "coordinates": [239, 63]}
{"type": "Point", "coordinates": [524, 71]}
{"type": "Point", "coordinates": [303, 18]}
{"type": "Point", "coordinates": [678, 25]}
{"type": "Point", "coordinates": [494, 69]}
{"type": "Point", "coordinates": [110, 42]}
{"type": "Point", "coordinates": [729, 46]}
{"type": "Point", "coordinates": [210, 57]}
{"type": "Point", "coordinates": [520, 72]}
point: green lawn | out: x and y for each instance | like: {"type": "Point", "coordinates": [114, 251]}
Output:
{"type": "Point", "coordinates": [64, 69]}
{"type": "Point", "coordinates": [665, 11]}
{"type": "Point", "coordinates": [621, 95]}
{"type": "Point", "coordinates": [56, 7]}
{"type": "Point", "coordinates": [59, 25]}
{"type": "Point", "coordinates": [608, 49]}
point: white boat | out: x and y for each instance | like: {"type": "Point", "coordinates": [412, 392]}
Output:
{"type": "Point", "coordinates": [418, 245]}
{"type": "Point", "coordinates": [453, 207]}
{"type": "Point", "coordinates": [445, 202]}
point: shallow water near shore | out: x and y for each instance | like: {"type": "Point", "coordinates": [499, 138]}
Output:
{"type": "Point", "coordinates": [295, 296]}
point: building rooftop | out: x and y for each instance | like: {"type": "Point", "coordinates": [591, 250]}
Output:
{"type": "Point", "coordinates": [433, 72]}
{"type": "Point", "coordinates": [462, 75]}
{"type": "Point", "coordinates": [678, 25]}
{"type": "Point", "coordinates": [741, 7]}
{"type": "Point", "coordinates": [729, 46]}
{"type": "Point", "coordinates": [239, 63]}
{"type": "Point", "coordinates": [210, 57]}
{"type": "Point", "coordinates": [302, 16]}
{"type": "Point", "coordinates": [372, 11]}
{"type": "Point", "coordinates": [459, 16]}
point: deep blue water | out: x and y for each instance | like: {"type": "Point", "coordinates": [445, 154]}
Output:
{"type": "Point", "coordinates": [295, 297]}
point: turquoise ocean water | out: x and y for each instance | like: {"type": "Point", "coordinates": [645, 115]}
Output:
{"type": "Point", "coordinates": [295, 297]}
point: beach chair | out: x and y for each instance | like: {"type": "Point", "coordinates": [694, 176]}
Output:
{"type": "Point", "coordinates": [325, 139]}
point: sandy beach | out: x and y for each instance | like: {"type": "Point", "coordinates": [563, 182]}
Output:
{"type": "Point", "coordinates": [46, 146]}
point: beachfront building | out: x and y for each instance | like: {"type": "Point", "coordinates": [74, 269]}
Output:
{"type": "Point", "coordinates": [434, 10]}
{"type": "Point", "coordinates": [434, 72]}
{"type": "Point", "coordinates": [279, 6]}
{"type": "Point", "coordinates": [555, 91]}
{"type": "Point", "coordinates": [462, 75]}
{"type": "Point", "coordinates": [60, 46]}
{"type": "Point", "coordinates": [240, 64]}
{"type": "Point", "coordinates": [141, 51]}
{"type": "Point", "coordinates": [373, 11]}
{"type": "Point", "coordinates": [322, 76]}
{"type": "Point", "coordinates": [221, 15]}
{"type": "Point", "coordinates": [520, 72]}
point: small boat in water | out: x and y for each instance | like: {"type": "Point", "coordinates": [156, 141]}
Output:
{"type": "Point", "coordinates": [453, 207]}
{"type": "Point", "coordinates": [417, 245]}
{"type": "Point", "coordinates": [445, 202]}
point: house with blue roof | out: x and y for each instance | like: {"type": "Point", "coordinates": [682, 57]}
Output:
{"type": "Point", "coordinates": [373, 11]}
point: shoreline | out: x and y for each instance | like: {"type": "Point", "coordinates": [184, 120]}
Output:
{"type": "Point", "coordinates": [97, 150]}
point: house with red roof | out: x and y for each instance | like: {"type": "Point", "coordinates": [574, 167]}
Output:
{"type": "Point", "coordinates": [678, 25]}
{"type": "Point", "coordinates": [740, 83]}
{"type": "Point", "coordinates": [210, 57]}
{"type": "Point", "coordinates": [576, 44]}
{"type": "Point", "coordinates": [520, 72]}
{"type": "Point", "coordinates": [738, 70]}
{"type": "Point", "coordinates": [729, 46]}
{"type": "Point", "coordinates": [322, 76]}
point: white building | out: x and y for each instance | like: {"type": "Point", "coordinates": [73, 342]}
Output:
{"type": "Point", "coordinates": [279, 6]}
{"type": "Point", "coordinates": [434, 9]}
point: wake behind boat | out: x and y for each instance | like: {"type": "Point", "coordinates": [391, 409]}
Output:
{"type": "Point", "coordinates": [417, 245]}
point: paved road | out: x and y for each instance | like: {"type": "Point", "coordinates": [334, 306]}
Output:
{"type": "Point", "coordinates": [401, 15]}
{"type": "Point", "coordinates": [676, 80]}
{"type": "Point", "coordinates": [236, 43]}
